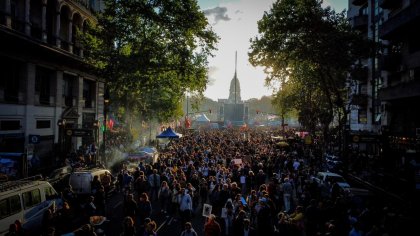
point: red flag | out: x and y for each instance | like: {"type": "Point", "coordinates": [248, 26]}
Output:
{"type": "Point", "coordinates": [187, 123]}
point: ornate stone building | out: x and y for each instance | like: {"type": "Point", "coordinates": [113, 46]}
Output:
{"type": "Point", "coordinates": [45, 87]}
{"type": "Point", "coordinates": [233, 110]}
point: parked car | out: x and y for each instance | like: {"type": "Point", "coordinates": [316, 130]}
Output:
{"type": "Point", "coordinates": [81, 180]}
{"type": "Point", "coordinates": [26, 200]}
{"type": "Point", "coordinates": [328, 178]}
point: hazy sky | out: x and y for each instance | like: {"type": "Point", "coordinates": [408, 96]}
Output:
{"type": "Point", "coordinates": [235, 21]}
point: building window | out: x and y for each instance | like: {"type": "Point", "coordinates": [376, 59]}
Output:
{"type": "Point", "coordinates": [17, 15]}
{"type": "Point", "coordinates": [10, 125]}
{"type": "Point", "coordinates": [43, 85]}
{"type": "Point", "coordinates": [43, 124]}
{"type": "Point", "coordinates": [68, 89]}
{"type": "Point", "coordinates": [10, 74]}
{"type": "Point", "coordinates": [3, 13]}
{"type": "Point", "coordinates": [89, 93]}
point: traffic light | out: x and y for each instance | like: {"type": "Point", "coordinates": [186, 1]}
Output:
{"type": "Point", "coordinates": [210, 111]}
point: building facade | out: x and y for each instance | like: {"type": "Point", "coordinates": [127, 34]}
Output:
{"type": "Point", "coordinates": [364, 81]}
{"type": "Point", "coordinates": [384, 90]}
{"type": "Point", "coordinates": [50, 100]}
{"type": "Point", "coordinates": [400, 67]}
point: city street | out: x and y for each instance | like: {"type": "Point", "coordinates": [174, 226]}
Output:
{"type": "Point", "coordinates": [215, 118]}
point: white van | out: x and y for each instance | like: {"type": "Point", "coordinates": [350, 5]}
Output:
{"type": "Point", "coordinates": [25, 200]}
{"type": "Point", "coordinates": [81, 180]}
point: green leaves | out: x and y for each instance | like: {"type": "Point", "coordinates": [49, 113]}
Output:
{"type": "Point", "coordinates": [309, 49]}
{"type": "Point", "coordinates": [151, 52]}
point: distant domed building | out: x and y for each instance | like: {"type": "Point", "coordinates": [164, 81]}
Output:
{"type": "Point", "coordinates": [233, 110]}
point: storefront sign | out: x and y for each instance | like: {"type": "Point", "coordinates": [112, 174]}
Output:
{"type": "Point", "coordinates": [34, 139]}
{"type": "Point", "coordinates": [79, 132]}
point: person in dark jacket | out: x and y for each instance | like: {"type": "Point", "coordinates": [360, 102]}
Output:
{"type": "Point", "coordinates": [130, 207]}
{"type": "Point", "coordinates": [100, 198]}
{"type": "Point", "coordinates": [128, 227]}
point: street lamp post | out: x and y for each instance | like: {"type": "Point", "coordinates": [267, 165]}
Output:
{"type": "Point", "coordinates": [106, 104]}
{"type": "Point", "coordinates": [96, 126]}
{"type": "Point", "coordinates": [61, 124]}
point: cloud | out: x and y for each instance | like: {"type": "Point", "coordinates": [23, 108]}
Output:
{"type": "Point", "coordinates": [219, 14]}
{"type": "Point", "coordinates": [211, 75]}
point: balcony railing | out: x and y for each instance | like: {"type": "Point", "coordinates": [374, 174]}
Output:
{"type": "Point", "coordinates": [396, 23]}
{"type": "Point", "coordinates": [389, 4]}
{"type": "Point", "coordinates": [360, 22]}
{"type": "Point", "coordinates": [400, 91]}
{"type": "Point", "coordinates": [390, 62]}
{"type": "Point", "coordinates": [360, 73]}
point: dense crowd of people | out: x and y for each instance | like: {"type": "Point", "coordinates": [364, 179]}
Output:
{"type": "Point", "coordinates": [254, 187]}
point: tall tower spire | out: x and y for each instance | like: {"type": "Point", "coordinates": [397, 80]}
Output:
{"type": "Point", "coordinates": [235, 88]}
{"type": "Point", "coordinates": [236, 62]}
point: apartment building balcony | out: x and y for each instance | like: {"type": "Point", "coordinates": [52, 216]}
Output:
{"type": "Point", "coordinates": [360, 99]}
{"type": "Point", "coordinates": [397, 24]}
{"type": "Point", "coordinates": [389, 4]}
{"type": "Point", "coordinates": [359, 73]}
{"type": "Point", "coordinates": [359, 2]}
{"type": "Point", "coordinates": [400, 91]}
{"type": "Point", "coordinates": [390, 62]}
{"type": "Point", "coordinates": [360, 22]}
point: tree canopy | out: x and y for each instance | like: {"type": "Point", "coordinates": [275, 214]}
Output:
{"type": "Point", "coordinates": [310, 50]}
{"type": "Point", "coordinates": [151, 52]}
